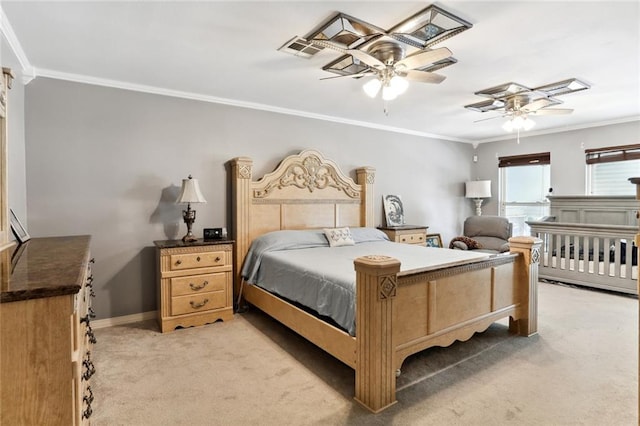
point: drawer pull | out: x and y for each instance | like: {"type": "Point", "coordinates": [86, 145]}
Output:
{"type": "Point", "coordinates": [90, 369]}
{"type": "Point", "coordinates": [198, 259]}
{"type": "Point", "coordinates": [198, 305]}
{"type": "Point", "coordinates": [218, 259]}
{"type": "Point", "coordinates": [88, 412]}
{"type": "Point", "coordinates": [198, 287]}
{"type": "Point", "coordinates": [89, 333]}
{"type": "Point", "coordinates": [178, 262]}
{"type": "Point", "coordinates": [88, 398]}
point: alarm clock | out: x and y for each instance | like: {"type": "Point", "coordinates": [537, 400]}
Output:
{"type": "Point", "coordinates": [212, 233]}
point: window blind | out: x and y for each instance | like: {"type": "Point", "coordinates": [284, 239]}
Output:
{"type": "Point", "coordinates": [525, 160]}
{"type": "Point", "coordinates": [612, 154]}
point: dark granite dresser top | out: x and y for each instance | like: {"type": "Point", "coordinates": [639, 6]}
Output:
{"type": "Point", "coordinates": [44, 267]}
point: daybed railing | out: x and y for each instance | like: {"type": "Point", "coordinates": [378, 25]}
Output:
{"type": "Point", "coordinates": [601, 256]}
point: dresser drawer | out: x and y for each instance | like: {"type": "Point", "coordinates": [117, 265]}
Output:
{"type": "Point", "coordinates": [197, 303]}
{"type": "Point", "coordinates": [412, 238]}
{"type": "Point", "coordinates": [193, 284]}
{"type": "Point", "coordinates": [197, 260]}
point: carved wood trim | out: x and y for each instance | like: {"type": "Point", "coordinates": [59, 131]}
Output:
{"type": "Point", "coordinates": [307, 170]}
{"type": "Point", "coordinates": [417, 275]}
{"type": "Point", "coordinates": [303, 201]}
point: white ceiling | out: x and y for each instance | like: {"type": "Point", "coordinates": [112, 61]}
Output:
{"type": "Point", "coordinates": [226, 52]}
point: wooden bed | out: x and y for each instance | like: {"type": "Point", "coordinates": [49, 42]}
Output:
{"type": "Point", "coordinates": [398, 313]}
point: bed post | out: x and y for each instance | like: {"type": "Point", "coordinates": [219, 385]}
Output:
{"type": "Point", "coordinates": [376, 285]}
{"type": "Point", "coordinates": [527, 270]}
{"type": "Point", "coordinates": [366, 177]}
{"type": "Point", "coordinates": [240, 189]}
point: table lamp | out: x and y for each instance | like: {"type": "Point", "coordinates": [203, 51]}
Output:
{"type": "Point", "coordinates": [478, 189]}
{"type": "Point", "coordinates": [190, 194]}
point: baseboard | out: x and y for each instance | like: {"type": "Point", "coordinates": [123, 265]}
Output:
{"type": "Point", "coordinates": [125, 319]}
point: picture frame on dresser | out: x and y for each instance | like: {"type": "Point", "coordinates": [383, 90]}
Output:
{"type": "Point", "coordinates": [18, 229]}
{"type": "Point", "coordinates": [433, 240]}
{"type": "Point", "coordinates": [393, 210]}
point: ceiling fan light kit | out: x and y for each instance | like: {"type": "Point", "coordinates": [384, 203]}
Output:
{"type": "Point", "coordinates": [391, 57]}
{"type": "Point", "coordinates": [517, 102]}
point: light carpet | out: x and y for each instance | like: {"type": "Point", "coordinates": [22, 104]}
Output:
{"type": "Point", "coordinates": [580, 370]}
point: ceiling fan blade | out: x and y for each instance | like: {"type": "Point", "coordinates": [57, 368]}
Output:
{"type": "Point", "coordinates": [366, 58]}
{"type": "Point", "coordinates": [490, 118]}
{"type": "Point", "coordinates": [537, 104]}
{"type": "Point", "coordinates": [361, 74]}
{"type": "Point", "coordinates": [424, 77]}
{"type": "Point", "coordinates": [425, 58]}
{"type": "Point", "coordinates": [552, 111]}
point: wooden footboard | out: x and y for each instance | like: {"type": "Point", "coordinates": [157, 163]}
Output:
{"type": "Point", "coordinates": [399, 314]}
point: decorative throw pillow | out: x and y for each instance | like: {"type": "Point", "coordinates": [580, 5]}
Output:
{"type": "Point", "coordinates": [339, 237]}
{"type": "Point", "coordinates": [469, 242]}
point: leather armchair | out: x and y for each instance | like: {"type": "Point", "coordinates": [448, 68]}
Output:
{"type": "Point", "coordinates": [484, 233]}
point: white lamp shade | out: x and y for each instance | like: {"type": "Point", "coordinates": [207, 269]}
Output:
{"type": "Point", "coordinates": [528, 123]}
{"type": "Point", "coordinates": [389, 93]}
{"type": "Point", "coordinates": [372, 87]}
{"type": "Point", "coordinates": [478, 189]}
{"type": "Point", "coordinates": [190, 192]}
{"type": "Point", "coordinates": [399, 84]}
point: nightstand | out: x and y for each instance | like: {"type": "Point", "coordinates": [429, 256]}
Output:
{"type": "Point", "coordinates": [195, 282]}
{"type": "Point", "coordinates": [408, 234]}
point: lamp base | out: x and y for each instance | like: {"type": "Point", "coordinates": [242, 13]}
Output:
{"type": "Point", "coordinates": [189, 217]}
{"type": "Point", "coordinates": [478, 206]}
{"type": "Point", "coordinates": [189, 238]}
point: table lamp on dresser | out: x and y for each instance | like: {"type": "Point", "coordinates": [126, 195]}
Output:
{"type": "Point", "coordinates": [190, 194]}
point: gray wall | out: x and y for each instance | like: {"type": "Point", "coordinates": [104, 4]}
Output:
{"type": "Point", "coordinates": [16, 191]}
{"type": "Point", "coordinates": [568, 169]}
{"type": "Point", "coordinates": [109, 163]}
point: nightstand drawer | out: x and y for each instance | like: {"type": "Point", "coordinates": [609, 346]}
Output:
{"type": "Point", "coordinates": [197, 303]}
{"type": "Point", "coordinates": [412, 238]}
{"type": "Point", "coordinates": [198, 284]}
{"type": "Point", "coordinates": [197, 260]}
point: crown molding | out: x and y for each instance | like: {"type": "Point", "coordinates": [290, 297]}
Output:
{"type": "Point", "coordinates": [28, 71]}
{"type": "Point", "coordinates": [78, 78]}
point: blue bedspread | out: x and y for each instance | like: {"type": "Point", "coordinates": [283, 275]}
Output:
{"type": "Point", "coordinates": [300, 266]}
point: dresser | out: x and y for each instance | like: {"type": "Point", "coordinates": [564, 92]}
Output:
{"type": "Point", "coordinates": [45, 336]}
{"type": "Point", "coordinates": [407, 234]}
{"type": "Point", "coordinates": [195, 282]}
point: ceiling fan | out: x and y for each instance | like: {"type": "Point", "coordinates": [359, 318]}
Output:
{"type": "Point", "coordinates": [387, 61]}
{"type": "Point", "coordinates": [518, 102]}
{"type": "Point", "coordinates": [392, 56]}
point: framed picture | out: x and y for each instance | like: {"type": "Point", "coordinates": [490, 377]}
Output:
{"type": "Point", "coordinates": [393, 210]}
{"type": "Point", "coordinates": [21, 234]}
{"type": "Point", "coordinates": [434, 240]}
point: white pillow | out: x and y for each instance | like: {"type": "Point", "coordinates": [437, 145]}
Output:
{"type": "Point", "coordinates": [339, 237]}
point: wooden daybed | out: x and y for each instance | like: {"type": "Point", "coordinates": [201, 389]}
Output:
{"type": "Point", "coordinates": [398, 313]}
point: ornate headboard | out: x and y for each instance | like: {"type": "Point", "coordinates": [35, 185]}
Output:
{"type": "Point", "coordinates": [306, 190]}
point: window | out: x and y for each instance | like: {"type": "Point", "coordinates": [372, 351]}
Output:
{"type": "Point", "coordinates": [524, 185]}
{"type": "Point", "coordinates": [609, 170]}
